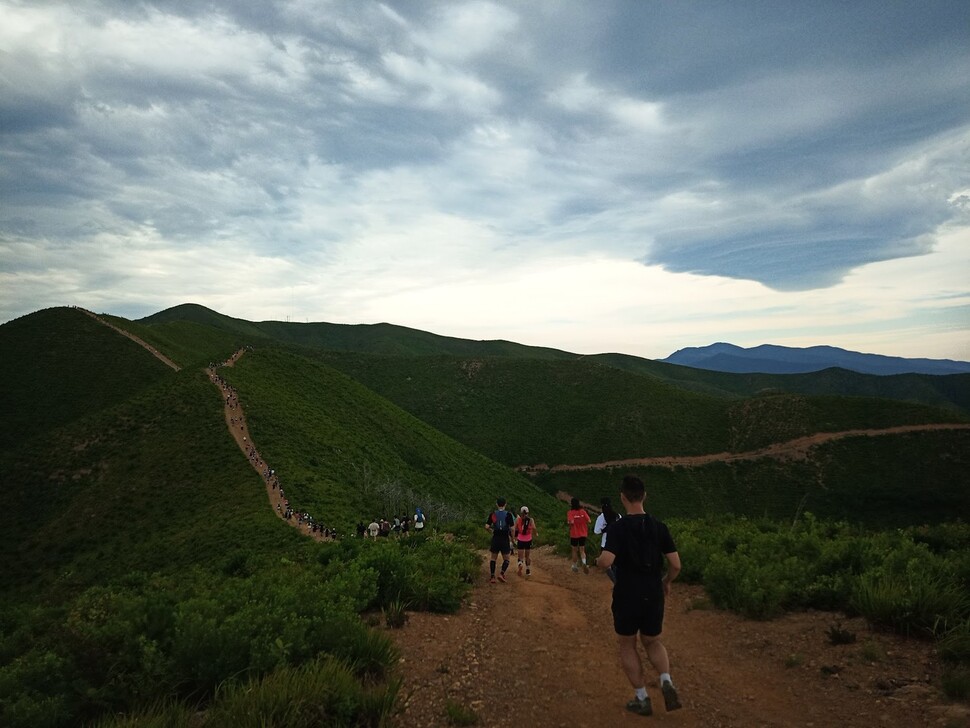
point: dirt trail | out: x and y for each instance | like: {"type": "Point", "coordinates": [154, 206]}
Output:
{"type": "Point", "coordinates": [541, 652]}
{"type": "Point", "coordinates": [797, 449]}
{"type": "Point", "coordinates": [236, 422]}
{"type": "Point", "coordinates": [141, 342]}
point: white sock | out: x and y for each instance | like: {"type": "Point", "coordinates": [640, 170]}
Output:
{"type": "Point", "coordinates": [641, 693]}
{"type": "Point", "coordinates": [665, 677]}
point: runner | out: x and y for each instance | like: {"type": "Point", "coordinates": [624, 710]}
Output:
{"type": "Point", "coordinates": [500, 523]}
{"type": "Point", "coordinates": [418, 519]}
{"type": "Point", "coordinates": [578, 520]}
{"type": "Point", "coordinates": [637, 544]}
{"type": "Point", "coordinates": [525, 531]}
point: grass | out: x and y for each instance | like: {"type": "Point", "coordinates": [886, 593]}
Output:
{"type": "Point", "coordinates": [460, 715]}
{"type": "Point", "coordinates": [338, 446]}
{"type": "Point", "coordinates": [58, 365]}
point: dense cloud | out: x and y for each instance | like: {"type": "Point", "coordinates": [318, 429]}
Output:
{"type": "Point", "coordinates": [783, 143]}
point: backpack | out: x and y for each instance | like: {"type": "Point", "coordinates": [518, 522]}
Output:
{"type": "Point", "coordinates": [501, 524]}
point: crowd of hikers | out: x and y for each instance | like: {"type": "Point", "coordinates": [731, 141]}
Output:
{"type": "Point", "coordinates": [299, 518]}
{"type": "Point", "coordinates": [396, 526]}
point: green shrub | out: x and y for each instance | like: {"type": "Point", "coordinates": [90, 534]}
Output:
{"type": "Point", "coordinates": [917, 602]}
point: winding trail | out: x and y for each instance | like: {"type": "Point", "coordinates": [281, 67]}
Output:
{"type": "Point", "coordinates": [236, 424]}
{"type": "Point", "coordinates": [797, 449]}
{"type": "Point", "coordinates": [141, 342]}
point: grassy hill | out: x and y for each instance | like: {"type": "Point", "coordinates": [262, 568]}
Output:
{"type": "Point", "coordinates": [59, 364]}
{"type": "Point", "coordinates": [144, 570]}
{"type": "Point", "coordinates": [885, 481]}
{"type": "Point", "coordinates": [153, 484]}
{"type": "Point", "coordinates": [336, 443]}
{"type": "Point", "coordinates": [951, 391]}
{"type": "Point", "coordinates": [525, 412]}
{"type": "Point", "coordinates": [380, 338]}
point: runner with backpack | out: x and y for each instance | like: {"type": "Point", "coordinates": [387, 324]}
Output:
{"type": "Point", "coordinates": [500, 523]}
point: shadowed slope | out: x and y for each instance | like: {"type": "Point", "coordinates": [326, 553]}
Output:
{"type": "Point", "coordinates": [58, 365]}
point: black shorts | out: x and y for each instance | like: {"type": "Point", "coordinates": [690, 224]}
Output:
{"type": "Point", "coordinates": [644, 615]}
{"type": "Point", "coordinates": [520, 544]}
{"type": "Point", "coordinates": [500, 544]}
{"type": "Point", "coordinates": [581, 541]}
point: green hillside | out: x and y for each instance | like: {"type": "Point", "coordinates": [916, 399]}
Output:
{"type": "Point", "coordinates": [951, 391]}
{"type": "Point", "coordinates": [380, 338]}
{"type": "Point", "coordinates": [59, 364]}
{"type": "Point", "coordinates": [885, 481]}
{"type": "Point", "coordinates": [144, 570]}
{"type": "Point", "coordinates": [186, 343]}
{"type": "Point", "coordinates": [336, 444]}
{"type": "Point", "coordinates": [525, 412]}
{"type": "Point", "coordinates": [147, 485]}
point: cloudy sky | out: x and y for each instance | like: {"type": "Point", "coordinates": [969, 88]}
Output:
{"type": "Point", "coordinates": [592, 176]}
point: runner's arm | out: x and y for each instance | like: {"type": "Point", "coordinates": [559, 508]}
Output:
{"type": "Point", "coordinates": [673, 569]}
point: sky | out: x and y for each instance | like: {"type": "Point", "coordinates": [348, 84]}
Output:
{"type": "Point", "coordinates": [603, 176]}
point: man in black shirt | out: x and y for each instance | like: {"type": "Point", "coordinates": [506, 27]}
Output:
{"type": "Point", "coordinates": [636, 547]}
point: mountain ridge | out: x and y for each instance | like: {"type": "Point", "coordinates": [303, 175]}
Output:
{"type": "Point", "coordinates": [776, 359]}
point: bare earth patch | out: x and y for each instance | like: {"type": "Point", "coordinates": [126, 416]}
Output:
{"type": "Point", "coordinates": [541, 652]}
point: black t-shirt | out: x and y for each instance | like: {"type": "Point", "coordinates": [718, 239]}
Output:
{"type": "Point", "coordinates": [638, 542]}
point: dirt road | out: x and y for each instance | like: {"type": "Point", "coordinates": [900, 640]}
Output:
{"type": "Point", "coordinates": [541, 652]}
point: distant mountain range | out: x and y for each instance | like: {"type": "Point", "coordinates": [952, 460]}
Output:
{"type": "Point", "coordinates": [772, 359]}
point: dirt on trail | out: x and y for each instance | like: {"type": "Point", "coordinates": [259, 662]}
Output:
{"type": "Point", "coordinates": [540, 651]}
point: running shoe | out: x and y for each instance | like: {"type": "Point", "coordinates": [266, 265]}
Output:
{"type": "Point", "coordinates": [671, 701]}
{"type": "Point", "coordinates": [585, 568]}
{"type": "Point", "coordinates": [528, 572]}
{"type": "Point", "coordinates": [575, 569]}
{"type": "Point", "coordinates": [492, 580]}
{"type": "Point", "coordinates": [501, 578]}
{"type": "Point", "coordinates": [640, 707]}
{"type": "Point", "coordinates": [521, 568]}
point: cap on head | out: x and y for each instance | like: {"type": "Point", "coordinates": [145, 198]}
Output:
{"type": "Point", "coordinates": [524, 509]}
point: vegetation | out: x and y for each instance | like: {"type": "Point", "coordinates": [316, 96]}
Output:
{"type": "Point", "coordinates": [889, 480]}
{"type": "Point", "coordinates": [146, 581]}
{"type": "Point", "coordinates": [187, 344]}
{"type": "Point", "coordinates": [58, 365]}
{"type": "Point", "coordinates": [913, 581]}
{"type": "Point", "coordinates": [335, 443]}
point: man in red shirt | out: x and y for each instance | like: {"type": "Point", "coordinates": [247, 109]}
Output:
{"type": "Point", "coordinates": [578, 520]}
